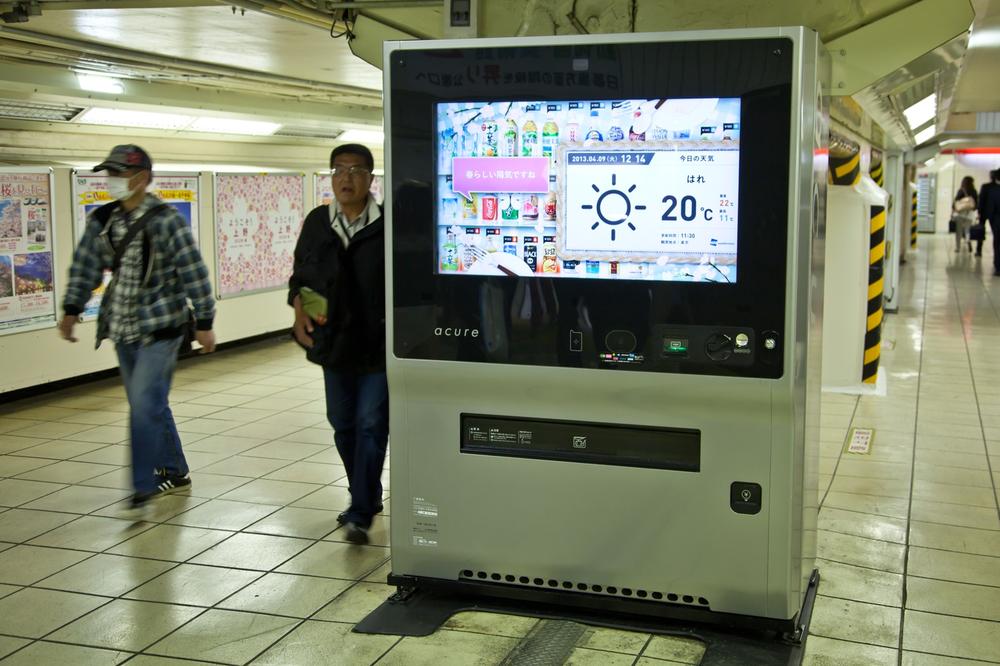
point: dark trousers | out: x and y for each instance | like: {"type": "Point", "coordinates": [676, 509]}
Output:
{"type": "Point", "coordinates": [995, 228]}
{"type": "Point", "coordinates": [357, 407]}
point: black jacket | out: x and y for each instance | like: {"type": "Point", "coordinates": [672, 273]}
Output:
{"type": "Point", "coordinates": [353, 281]}
{"type": "Point", "coordinates": [989, 203]}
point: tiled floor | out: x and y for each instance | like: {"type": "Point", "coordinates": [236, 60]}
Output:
{"type": "Point", "coordinates": [247, 568]}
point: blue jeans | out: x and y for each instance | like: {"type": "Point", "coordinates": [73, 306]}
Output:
{"type": "Point", "coordinates": [357, 406]}
{"type": "Point", "coordinates": [147, 371]}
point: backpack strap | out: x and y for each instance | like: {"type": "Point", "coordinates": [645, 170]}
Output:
{"type": "Point", "coordinates": [103, 214]}
{"type": "Point", "coordinates": [136, 227]}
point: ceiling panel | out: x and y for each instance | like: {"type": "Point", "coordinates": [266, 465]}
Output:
{"type": "Point", "coordinates": [218, 35]}
{"type": "Point", "coordinates": [978, 88]}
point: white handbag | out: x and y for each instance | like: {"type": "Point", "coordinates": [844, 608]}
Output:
{"type": "Point", "coordinates": [964, 204]}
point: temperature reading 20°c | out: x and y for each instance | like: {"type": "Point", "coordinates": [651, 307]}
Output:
{"type": "Point", "coordinates": [689, 209]}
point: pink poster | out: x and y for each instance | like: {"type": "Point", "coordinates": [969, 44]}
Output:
{"type": "Point", "coordinates": [257, 221]}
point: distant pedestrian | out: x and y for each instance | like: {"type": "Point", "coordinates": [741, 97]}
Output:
{"type": "Point", "coordinates": [964, 209]}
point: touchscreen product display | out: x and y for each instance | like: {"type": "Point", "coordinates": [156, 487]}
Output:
{"type": "Point", "coordinates": [635, 189]}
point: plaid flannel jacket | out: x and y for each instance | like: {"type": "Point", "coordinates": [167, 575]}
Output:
{"type": "Point", "coordinates": [175, 273]}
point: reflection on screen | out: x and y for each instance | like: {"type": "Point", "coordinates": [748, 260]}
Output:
{"type": "Point", "coordinates": [627, 189]}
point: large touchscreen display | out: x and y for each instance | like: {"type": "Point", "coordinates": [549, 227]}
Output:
{"type": "Point", "coordinates": [634, 189]}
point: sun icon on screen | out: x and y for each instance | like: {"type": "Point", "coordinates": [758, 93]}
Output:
{"type": "Point", "coordinates": [613, 206]}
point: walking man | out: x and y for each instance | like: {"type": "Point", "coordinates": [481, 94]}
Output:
{"type": "Point", "coordinates": [989, 211]}
{"type": "Point", "coordinates": [338, 291]}
{"type": "Point", "coordinates": [156, 269]}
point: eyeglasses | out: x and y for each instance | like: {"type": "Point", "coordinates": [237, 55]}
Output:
{"type": "Point", "coordinates": [352, 171]}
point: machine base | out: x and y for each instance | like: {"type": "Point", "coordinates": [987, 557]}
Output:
{"type": "Point", "coordinates": [422, 605]}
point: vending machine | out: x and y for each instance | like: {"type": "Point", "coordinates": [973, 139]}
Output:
{"type": "Point", "coordinates": [605, 285]}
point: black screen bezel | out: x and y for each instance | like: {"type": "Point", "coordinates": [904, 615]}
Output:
{"type": "Point", "coordinates": [426, 303]}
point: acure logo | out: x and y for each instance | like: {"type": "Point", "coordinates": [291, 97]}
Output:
{"type": "Point", "coordinates": [455, 332]}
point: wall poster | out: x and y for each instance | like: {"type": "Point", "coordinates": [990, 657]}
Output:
{"type": "Point", "coordinates": [27, 294]}
{"type": "Point", "coordinates": [257, 222]}
{"type": "Point", "coordinates": [90, 191]}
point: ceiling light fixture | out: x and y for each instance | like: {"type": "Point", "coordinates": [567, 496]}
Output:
{"type": "Point", "coordinates": [98, 115]}
{"type": "Point", "coordinates": [233, 126]}
{"type": "Point", "coordinates": [362, 136]}
{"type": "Point", "coordinates": [984, 38]}
{"type": "Point", "coordinates": [925, 134]}
{"type": "Point", "coordinates": [919, 113]}
{"type": "Point", "coordinates": [100, 83]}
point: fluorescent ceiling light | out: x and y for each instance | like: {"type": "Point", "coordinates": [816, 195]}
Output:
{"type": "Point", "coordinates": [100, 83]}
{"type": "Point", "coordinates": [99, 115]}
{"type": "Point", "coordinates": [232, 126]}
{"type": "Point", "coordinates": [925, 134]}
{"type": "Point", "coordinates": [921, 112]}
{"type": "Point", "coordinates": [362, 136]}
{"type": "Point", "coordinates": [984, 38]}
{"type": "Point", "coordinates": [147, 119]}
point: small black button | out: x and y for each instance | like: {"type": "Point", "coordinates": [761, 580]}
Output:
{"type": "Point", "coordinates": [620, 341]}
{"type": "Point", "coordinates": [770, 340]}
{"type": "Point", "coordinates": [576, 341]}
{"type": "Point", "coordinates": [719, 347]}
{"type": "Point", "coordinates": [745, 497]}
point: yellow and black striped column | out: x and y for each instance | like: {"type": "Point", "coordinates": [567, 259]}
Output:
{"type": "Point", "coordinates": [913, 221]}
{"type": "Point", "coordinates": [845, 169]}
{"type": "Point", "coordinates": [878, 174]}
{"type": "Point", "coordinates": [876, 284]}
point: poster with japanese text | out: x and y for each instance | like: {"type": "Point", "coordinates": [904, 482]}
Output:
{"type": "Point", "coordinates": [257, 222]}
{"type": "Point", "coordinates": [27, 294]}
{"type": "Point", "coordinates": [323, 186]}
{"type": "Point", "coordinates": [90, 191]}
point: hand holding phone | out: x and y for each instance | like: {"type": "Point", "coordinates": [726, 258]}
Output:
{"type": "Point", "coordinates": [314, 305]}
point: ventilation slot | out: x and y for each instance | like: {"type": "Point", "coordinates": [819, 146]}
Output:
{"type": "Point", "coordinates": [308, 132]}
{"type": "Point", "coordinates": [20, 110]}
{"type": "Point", "coordinates": [552, 583]}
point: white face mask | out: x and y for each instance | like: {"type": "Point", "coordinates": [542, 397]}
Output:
{"type": "Point", "coordinates": [118, 188]}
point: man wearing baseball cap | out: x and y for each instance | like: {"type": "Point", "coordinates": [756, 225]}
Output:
{"type": "Point", "coordinates": [156, 269]}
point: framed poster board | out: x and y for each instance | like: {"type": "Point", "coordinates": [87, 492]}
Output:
{"type": "Point", "coordinates": [27, 291]}
{"type": "Point", "coordinates": [90, 191]}
{"type": "Point", "coordinates": [257, 223]}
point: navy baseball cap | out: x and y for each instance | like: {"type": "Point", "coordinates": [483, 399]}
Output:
{"type": "Point", "coordinates": [124, 157]}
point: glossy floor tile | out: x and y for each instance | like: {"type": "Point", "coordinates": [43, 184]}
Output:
{"type": "Point", "coordinates": [249, 565]}
{"type": "Point", "coordinates": [225, 636]}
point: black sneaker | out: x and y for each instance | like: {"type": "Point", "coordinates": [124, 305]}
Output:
{"type": "Point", "coordinates": [138, 504]}
{"type": "Point", "coordinates": [342, 516]}
{"type": "Point", "coordinates": [169, 484]}
{"type": "Point", "coordinates": [141, 500]}
{"type": "Point", "coordinates": [356, 534]}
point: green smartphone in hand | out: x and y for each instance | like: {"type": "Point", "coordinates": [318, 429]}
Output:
{"type": "Point", "coordinates": [314, 304]}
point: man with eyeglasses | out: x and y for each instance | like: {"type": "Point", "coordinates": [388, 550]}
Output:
{"type": "Point", "coordinates": [338, 291]}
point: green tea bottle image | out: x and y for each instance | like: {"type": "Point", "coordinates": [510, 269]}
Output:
{"type": "Point", "coordinates": [490, 138]}
{"type": "Point", "coordinates": [449, 253]}
{"type": "Point", "coordinates": [509, 144]}
{"type": "Point", "coordinates": [529, 138]}
{"type": "Point", "coordinates": [550, 135]}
